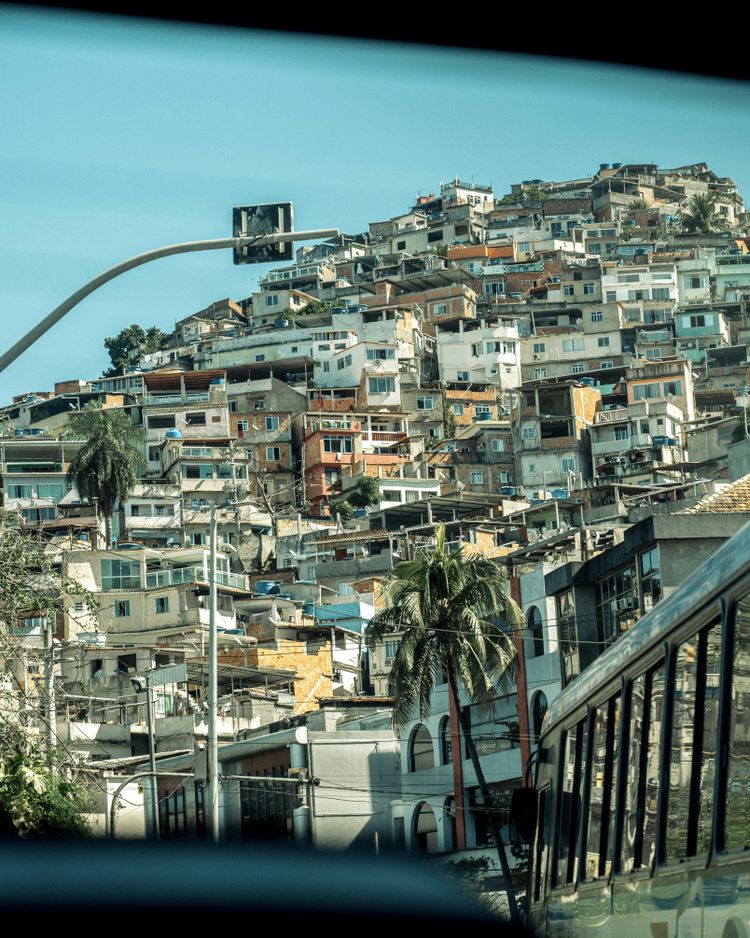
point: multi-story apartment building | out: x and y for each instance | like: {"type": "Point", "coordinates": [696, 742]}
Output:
{"type": "Point", "coordinates": [552, 428]}
{"type": "Point", "coordinates": [477, 351]}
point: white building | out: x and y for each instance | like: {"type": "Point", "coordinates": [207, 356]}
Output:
{"type": "Point", "coordinates": [480, 352]}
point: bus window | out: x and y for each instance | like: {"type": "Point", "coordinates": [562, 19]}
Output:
{"type": "Point", "coordinates": [569, 806]}
{"type": "Point", "coordinates": [737, 820]}
{"type": "Point", "coordinates": [602, 790]}
{"type": "Point", "coordinates": [651, 792]}
{"type": "Point", "coordinates": [636, 753]}
{"type": "Point", "coordinates": [703, 780]}
{"type": "Point", "coordinates": [542, 844]}
{"type": "Point", "coordinates": [692, 753]}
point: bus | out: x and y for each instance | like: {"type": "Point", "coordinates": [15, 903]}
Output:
{"type": "Point", "coordinates": [640, 823]}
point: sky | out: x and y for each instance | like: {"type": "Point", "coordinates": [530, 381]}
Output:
{"type": "Point", "coordinates": [119, 136]}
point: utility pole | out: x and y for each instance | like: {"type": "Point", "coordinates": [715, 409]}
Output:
{"type": "Point", "coordinates": [49, 690]}
{"type": "Point", "coordinates": [213, 702]}
{"type": "Point", "coordinates": [154, 785]}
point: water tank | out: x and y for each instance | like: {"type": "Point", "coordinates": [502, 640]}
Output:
{"type": "Point", "coordinates": [20, 433]}
{"type": "Point", "coordinates": [267, 587]}
{"type": "Point", "coordinates": [173, 434]}
{"type": "Point", "coordinates": [36, 431]}
{"type": "Point", "coordinates": [617, 166]}
{"type": "Point", "coordinates": [604, 166]}
{"type": "Point", "coordinates": [281, 324]}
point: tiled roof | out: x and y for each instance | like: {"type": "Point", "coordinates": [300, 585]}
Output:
{"type": "Point", "coordinates": [733, 497]}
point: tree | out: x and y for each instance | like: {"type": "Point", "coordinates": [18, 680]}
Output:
{"type": "Point", "coordinates": [39, 793]}
{"type": "Point", "coordinates": [700, 215]}
{"type": "Point", "coordinates": [445, 606]}
{"type": "Point", "coordinates": [132, 339]}
{"type": "Point", "coordinates": [107, 466]}
{"type": "Point", "coordinates": [449, 418]}
{"type": "Point", "coordinates": [365, 494]}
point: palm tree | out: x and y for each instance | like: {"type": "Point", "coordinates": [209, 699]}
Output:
{"type": "Point", "coordinates": [443, 603]}
{"type": "Point", "coordinates": [107, 466]}
{"type": "Point", "coordinates": [700, 216]}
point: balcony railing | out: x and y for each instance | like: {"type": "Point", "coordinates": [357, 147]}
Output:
{"type": "Point", "coordinates": [179, 575]}
{"type": "Point", "coordinates": [190, 397]}
{"type": "Point", "coordinates": [612, 416]}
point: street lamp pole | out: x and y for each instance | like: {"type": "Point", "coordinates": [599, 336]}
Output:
{"type": "Point", "coordinates": [186, 247]}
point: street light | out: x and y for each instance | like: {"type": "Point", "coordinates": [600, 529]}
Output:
{"type": "Point", "coordinates": [238, 244]}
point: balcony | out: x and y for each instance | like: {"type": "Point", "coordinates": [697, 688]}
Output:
{"type": "Point", "coordinates": [162, 400]}
{"type": "Point", "coordinates": [181, 575]}
{"type": "Point", "coordinates": [607, 447]}
{"type": "Point", "coordinates": [612, 416]}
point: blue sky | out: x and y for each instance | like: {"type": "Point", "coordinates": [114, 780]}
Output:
{"type": "Point", "coordinates": [120, 136]}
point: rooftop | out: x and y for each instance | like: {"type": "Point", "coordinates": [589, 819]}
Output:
{"type": "Point", "coordinates": [733, 498]}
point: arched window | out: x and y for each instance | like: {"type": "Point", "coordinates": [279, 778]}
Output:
{"type": "Point", "coordinates": [446, 742]}
{"type": "Point", "coordinates": [538, 709]}
{"type": "Point", "coordinates": [425, 829]}
{"type": "Point", "coordinates": [536, 632]}
{"type": "Point", "coordinates": [421, 752]}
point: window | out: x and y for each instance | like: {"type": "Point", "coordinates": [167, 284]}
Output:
{"type": "Point", "coordinates": [401, 245]}
{"type": "Point", "coordinates": [260, 358]}
{"type": "Point", "coordinates": [446, 741]}
{"type": "Point", "coordinates": [381, 385]}
{"type": "Point", "coordinates": [272, 423]}
{"type": "Point", "coordinates": [540, 374]}
{"type": "Point", "coordinates": [462, 376]}
{"type": "Point", "coordinates": [332, 476]}
{"type": "Point", "coordinates": [344, 362]}
{"type": "Point", "coordinates": [391, 647]}
{"type": "Point", "coordinates": [605, 364]}
{"type": "Point", "coordinates": [660, 293]}
{"type": "Point", "coordinates": [539, 348]}
{"type": "Point", "coordinates": [232, 407]}
{"type": "Point", "coordinates": [380, 354]}
{"type": "Point", "coordinates": [164, 511]}
{"type": "Point", "coordinates": [326, 366]}
{"type": "Point", "coordinates": [736, 829]}
{"type": "Point", "coordinates": [568, 464]}
{"type": "Point", "coordinates": [243, 425]}
{"type": "Point", "coordinates": [573, 345]}
{"type": "Point", "coordinates": [458, 408]}
{"type": "Point", "coordinates": [482, 409]}
{"type": "Point", "coordinates": [161, 421]}
{"type": "Point", "coordinates": [611, 296]}
{"type": "Point", "coordinates": [476, 349]}
{"type": "Point", "coordinates": [273, 453]}
{"type": "Point", "coordinates": [122, 609]}
{"type": "Point", "coordinates": [642, 778]}
{"type": "Point", "coordinates": [695, 720]}
{"type": "Point", "coordinates": [439, 309]}
{"type": "Point", "coordinates": [536, 632]}
{"type": "Point", "coordinates": [577, 369]}
{"type": "Point", "coordinates": [568, 289]}
{"type": "Point", "coordinates": [272, 300]}
{"type": "Point", "coordinates": [698, 322]}
{"type": "Point", "coordinates": [421, 752]}
{"type": "Point", "coordinates": [603, 341]}
{"type": "Point", "coordinates": [588, 289]}
{"type": "Point", "coordinates": [622, 433]}
{"type": "Point", "coordinates": [121, 574]}
{"type": "Point", "coordinates": [337, 444]}
{"type": "Point", "coordinates": [497, 445]}
{"type": "Point", "coordinates": [477, 478]}
{"type": "Point", "coordinates": [198, 470]}
{"type": "Point", "coordinates": [434, 236]}
{"type": "Point", "coordinates": [571, 799]}
{"type": "Point", "coordinates": [162, 605]}
{"type": "Point", "coordinates": [643, 392]}
{"type": "Point", "coordinates": [602, 790]}
{"type": "Point", "coordinates": [154, 453]}
{"type": "Point", "coordinates": [195, 419]}
{"type": "Point", "coordinates": [693, 282]}
{"type": "Point", "coordinates": [424, 403]}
